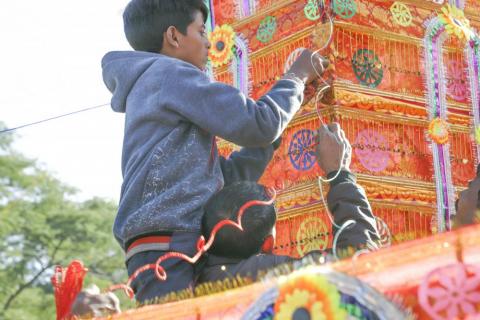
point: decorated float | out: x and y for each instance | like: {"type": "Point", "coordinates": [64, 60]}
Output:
{"type": "Point", "coordinates": [404, 85]}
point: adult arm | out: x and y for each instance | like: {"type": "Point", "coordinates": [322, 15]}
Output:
{"type": "Point", "coordinates": [346, 199]}
{"type": "Point", "coordinates": [248, 164]}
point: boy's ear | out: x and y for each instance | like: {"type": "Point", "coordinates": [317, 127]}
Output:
{"type": "Point", "coordinates": [268, 244]}
{"type": "Point", "coordinates": [171, 36]}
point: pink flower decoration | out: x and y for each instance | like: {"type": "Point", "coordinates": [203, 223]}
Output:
{"type": "Point", "coordinates": [451, 292]}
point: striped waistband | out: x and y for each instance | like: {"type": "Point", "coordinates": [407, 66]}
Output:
{"type": "Point", "coordinates": [152, 243]}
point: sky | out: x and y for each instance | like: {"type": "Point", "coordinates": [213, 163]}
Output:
{"type": "Point", "coordinates": [49, 65]}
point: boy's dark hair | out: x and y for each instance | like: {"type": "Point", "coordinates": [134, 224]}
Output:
{"type": "Point", "coordinates": [257, 221]}
{"type": "Point", "coordinates": [145, 21]}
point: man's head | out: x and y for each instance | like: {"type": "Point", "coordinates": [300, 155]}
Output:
{"type": "Point", "coordinates": [468, 203]}
{"type": "Point", "coordinates": [258, 221]}
{"type": "Point", "coordinates": [172, 27]}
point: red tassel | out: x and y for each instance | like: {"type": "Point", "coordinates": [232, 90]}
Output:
{"type": "Point", "coordinates": [67, 284]}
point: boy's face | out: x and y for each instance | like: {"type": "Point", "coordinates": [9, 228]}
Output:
{"type": "Point", "coordinates": [194, 46]}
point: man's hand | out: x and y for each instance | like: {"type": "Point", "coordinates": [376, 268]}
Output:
{"type": "Point", "coordinates": [468, 204]}
{"type": "Point", "coordinates": [303, 68]}
{"type": "Point", "coordinates": [91, 303]}
{"type": "Point", "coordinates": [332, 144]}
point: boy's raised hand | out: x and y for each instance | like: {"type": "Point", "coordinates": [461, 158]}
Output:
{"type": "Point", "coordinates": [308, 66]}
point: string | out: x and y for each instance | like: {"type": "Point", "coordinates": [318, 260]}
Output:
{"type": "Point", "coordinates": [319, 95]}
{"type": "Point", "coordinates": [53, 118]}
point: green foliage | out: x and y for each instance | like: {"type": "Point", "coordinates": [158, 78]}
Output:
{"type": "Point", "coordinates": [41, 228]}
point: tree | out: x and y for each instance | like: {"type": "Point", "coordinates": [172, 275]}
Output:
{"type": "Point", "coordinates": [41, 228]}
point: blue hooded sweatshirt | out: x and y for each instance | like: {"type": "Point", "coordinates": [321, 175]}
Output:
{"type": "Point", "coordinates": [170, 163]}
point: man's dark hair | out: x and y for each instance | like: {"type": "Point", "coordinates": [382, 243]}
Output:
{"type": "Point", "coordinates": [145, 21]}
{"type": "Point", "coordinates": [257, 221]}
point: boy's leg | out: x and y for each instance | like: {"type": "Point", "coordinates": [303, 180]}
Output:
{"type": "Point", "coordinates": [180, 274]}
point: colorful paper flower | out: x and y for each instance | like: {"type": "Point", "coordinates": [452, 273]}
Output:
{"type": "Point", "coordinates": [311, 296]}
{"type": "Point", "coordinates": [455, 22]}
{"type": "Point", "coordinates": [438, 131]}
{"type": "Point", "coordinates": [223, 41]}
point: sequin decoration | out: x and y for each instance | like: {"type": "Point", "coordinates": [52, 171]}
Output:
{"type": "Point", "coordinates": [302, 150]}
{"type": "Point", "coordinates": [354, 311]}
{"type": "Point", "coordinates": [345, 8]}
{"type": "Point", "coordinates": [367, 67]}
{"type": "Point", "coordinates": [456, 84]}
{"type": "Point", "coordinates": [312, 235]}
{"type": "Point", "coordinates": [451, 292]}
{"type": "Point", "coordinates": [267, 314]}
{"type": "Point", "coordinates": [370, 148]}
{"type": "Point", "coordinates": [357, 300]}
{"type": "Point", "coordinates": [401, 14]}
{"type": "Point", "coordinates": [267, 29]}
{"type": "Point", "coordinates": [312, 10]}
{"type": "Point", "coordinates": [309, 297]}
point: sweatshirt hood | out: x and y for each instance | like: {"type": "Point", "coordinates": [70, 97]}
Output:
{"type": "Point", "coordinates": [121, 70]}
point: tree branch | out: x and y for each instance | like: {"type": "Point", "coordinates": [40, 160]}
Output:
{"type": "Point", "coordinates": [29, 283]}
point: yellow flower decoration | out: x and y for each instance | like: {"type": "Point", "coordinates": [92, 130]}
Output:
{"type": "Point", "coordinates": [455, 22]}
{"type": "Point", "coordinates": [438, 131]}
{"type": "Point", "coordinates": [309, 294]}
{"type": "Point", "coordinates": [222, 40]}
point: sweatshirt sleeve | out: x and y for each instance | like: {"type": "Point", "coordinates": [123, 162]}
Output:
{"type": "Point", "coordinates": [248, 164]}
{"type": "Point", "coordinates": [225, 111]}
{"type": "Point", "coordinates": [348, 201]}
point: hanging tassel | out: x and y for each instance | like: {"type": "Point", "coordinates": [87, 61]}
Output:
{"type": "Point", "coordinates": [67, 284]}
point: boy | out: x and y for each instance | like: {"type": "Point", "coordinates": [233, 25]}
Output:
{"type": "Point", "coordinates": [246, 253]}
{"type": "Point", "coordinates": [170, 164]}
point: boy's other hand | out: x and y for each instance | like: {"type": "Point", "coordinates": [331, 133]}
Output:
{"type": "Point", "coordinates": [331, 143]}
{"type": "Point", "coordinates": [306, 64]}
{"type": "Point", "coordinates": [468, 204]}
{"type": "Point", "coordinates": [91, 303]}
